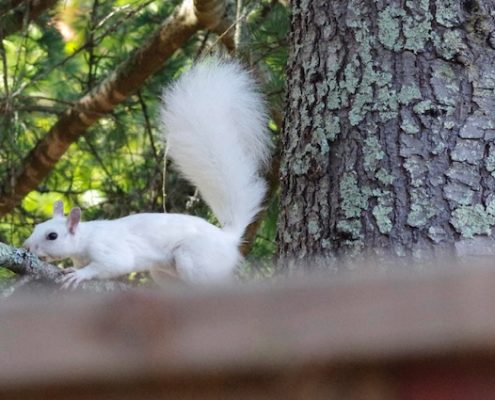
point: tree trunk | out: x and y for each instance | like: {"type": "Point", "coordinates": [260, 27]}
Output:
{"type": "Point", "coordinates": [389, 137]}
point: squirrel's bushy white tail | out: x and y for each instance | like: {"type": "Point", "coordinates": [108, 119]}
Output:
{"type": "Point", "coordinates": [215, 125]}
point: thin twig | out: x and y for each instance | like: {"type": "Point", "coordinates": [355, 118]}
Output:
{"type": "Point", "coordinates": [96, 41]}
{"type": "Point", "coordinates": [148, 129]}
{"type": "Point", "coordinates": [97, 157]}
{"type": "Point", "coordinates": [224, 33]}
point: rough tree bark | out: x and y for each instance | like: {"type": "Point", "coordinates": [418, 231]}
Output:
{"type": "Point", "coordinates": [31, 270]}
{"type": "Point", "coordinates": [389, 137]}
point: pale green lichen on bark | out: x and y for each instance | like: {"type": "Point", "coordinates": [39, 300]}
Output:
{"type": "Point", "coordinates": [382, 210]}
{"type": "Point", "coordinates": [326, 244]}
{"type": "Point", "coordinates": [437, 234]}
{"type": "Point", "coordinates": [295, 217]}
{"type": "Point", "coordinates": [417, 170]}
{"type": "Point", "coordinates": [351, 81]}
{"type": "Point", "coordinates": [408, 93]}
{"type": "Point", "coordinates": [423, 106]}
{"type": "Point", "coordinates": [361, 105]}
{"type": "Point", "coordinates": [490, 207]}
{"type": "Point", "coordinates": [321, 137]}
{"type": "Point", "coordinates": [353, 199]}
{"type": "Point", "coordinates": [464, 173]}
{"type": "Point", "coordinates": [486, 80]}
{"type": "Point", "coordinates": [421, 209]}
{"type": "Point", "coordinates": [364, 93]}
{"type": "Point", "coordinates": [333, 125]}
{"type": "Point", "coordinates": [353, 202]}
{"type": "Point", "coordinates": [332, 100]}
{"type": "Point", "coordinates": [445, 85]}
{"type": "Point", "coordinates": [310, 118]}
{"type": "Point", "coordinates": [458, 193]}
{"type": "Point", "coordinates": [490, 161]}
{"type": "Point", "coordinates": [354, 248]}
{"type": "Point", "coordinates": [384, 177]}
{"type": "Point", "coordinates": [472, 220]}
{"type": "Point", "coordinates": [387, 103]}
{"type": "Point", "coordinates": [305, 4]}
{"type": "Point", "coordinates": [410, 126]}
{"type": "Point", "coordinates": [449, 125]}
{"type": "Point", "coordinates": [381, 214]}
{"type": "Point", "coordinates": [350, 226]}
{"type": "Point", "coordinates": [417, 27]}
{"type": "Point", "coordinates": [389, 22]}
{"type": "Point", "coordinates": [372, 153]}
{"type": "Point", "coordinates": [314, 229]}
{"type": "Point", "coordinates": [299, 167]}
{"type": "Point", "coordinates": [447, 12]}
{"type": "Point", "coordinates": [468, 150]}
{"type": "Point", "coordinates": [449, 44]}
{"type": "Point", "coordinates": [417, 35]}
{"type": "Point", "coordinates": [325, 128]}
{"type": "Point", "coordinates": [424, 4]}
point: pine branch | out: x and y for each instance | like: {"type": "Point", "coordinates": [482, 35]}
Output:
{"type": "Point", "coordinates": [121, 83]}
{"type": "Point", "coordinates": [17, 18]}
{"type": "Point", "coordinates": [8, 5]}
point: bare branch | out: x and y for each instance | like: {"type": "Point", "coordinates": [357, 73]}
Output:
{"type": "Point", "coordinates": [23, 263]}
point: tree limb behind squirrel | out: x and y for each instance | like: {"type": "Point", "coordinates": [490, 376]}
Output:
{"type": "Point", "coordinates": [215, 124]}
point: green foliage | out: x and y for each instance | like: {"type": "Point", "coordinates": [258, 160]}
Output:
{"type": "Point", "coordinates": [116, 168]}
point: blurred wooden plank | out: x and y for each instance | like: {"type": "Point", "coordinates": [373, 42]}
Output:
{"type": "Point", "coordinates": [313, 385]}
{"type": "Point", "coordinates": [357, 333]}
{"type": "Point", "coordinates": [447, 379]}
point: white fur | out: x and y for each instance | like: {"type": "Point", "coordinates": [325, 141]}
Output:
{"type": "Point", "coordinates": [215, 125]}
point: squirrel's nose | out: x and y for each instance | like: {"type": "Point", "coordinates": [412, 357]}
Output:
{"type": "Point", "coordinates": [26, 246]}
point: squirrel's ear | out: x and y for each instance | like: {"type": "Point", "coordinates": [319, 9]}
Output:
{"type": "Point", "coordinates": [58, 209]}
{"type": "Point", "coordinates": [73, 219]}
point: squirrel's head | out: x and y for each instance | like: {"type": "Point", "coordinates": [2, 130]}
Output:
{"type": "Point", "coordinates": [55, 239]}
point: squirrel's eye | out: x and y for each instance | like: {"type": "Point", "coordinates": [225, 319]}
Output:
{"type": "Point", "coordinates": [52, 236]}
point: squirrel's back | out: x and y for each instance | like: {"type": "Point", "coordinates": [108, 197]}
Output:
{"type": "Point", "coordinates": [215, 124]}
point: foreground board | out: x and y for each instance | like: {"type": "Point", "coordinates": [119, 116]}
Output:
{"type": "Point", "coordinates": [396, 336]}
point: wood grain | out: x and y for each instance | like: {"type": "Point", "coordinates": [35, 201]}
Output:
{"type": "Point", "coordinates": [339, 338]}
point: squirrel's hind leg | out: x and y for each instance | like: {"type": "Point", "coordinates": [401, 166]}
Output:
{"type": "Point", "coordinates": [199, 264]}
{"type": "Point", "coordinates": [165, 274]}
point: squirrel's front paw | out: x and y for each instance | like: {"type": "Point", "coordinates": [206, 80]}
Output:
{"type": "Point", "coordinates": [70, 270]}
{"type": "Point", "coordinates": [73, 278]}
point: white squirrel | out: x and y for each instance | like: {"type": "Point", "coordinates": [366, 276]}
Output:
{"type": "Point", "coordinates": [215, 124]}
